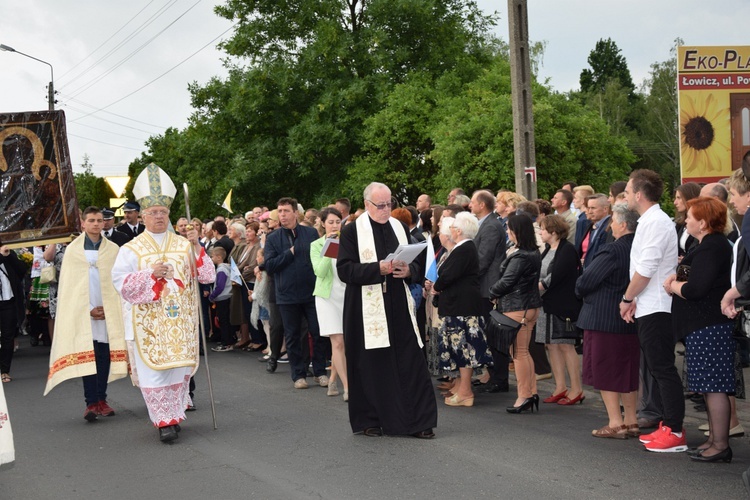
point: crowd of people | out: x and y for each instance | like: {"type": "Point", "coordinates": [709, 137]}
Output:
{"type": "Point", "coordinates": [606, 274]}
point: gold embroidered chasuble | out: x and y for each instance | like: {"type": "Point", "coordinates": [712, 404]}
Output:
{"type": "Point", "coordinates": [166, 331]}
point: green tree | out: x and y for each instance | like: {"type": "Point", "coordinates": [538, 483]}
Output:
{"type": "Point", "coordinates": [607, 63]}
{"type": "Point", "coordinates": [474, 139]}
{"type": "Point", "coordinates": [90, 189]}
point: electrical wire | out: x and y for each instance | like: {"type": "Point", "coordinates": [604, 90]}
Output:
{"type": "Point", "coordinates": [110, 113]}
{"type": "Point", "coordinates": [107, 143]}
{"type": "Point", "coordinates": [75, 120]}
{"type": "Point", "coordinates": [96, 80]}
{"type": "Point", "coordinates": [99, 129]}
{"type": "Point", "coordinates": [132, 35]}
{"type": "Point", "coordinates": [61, 77]}
{"type": "Point", "coordinates": [160, 76]}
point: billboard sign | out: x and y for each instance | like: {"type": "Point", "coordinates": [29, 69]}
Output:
{"type": "Point", "coordinates": [713, 88]}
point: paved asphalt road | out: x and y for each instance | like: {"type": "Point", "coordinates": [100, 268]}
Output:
{"type": "Point", "coordinates": [274, 442]}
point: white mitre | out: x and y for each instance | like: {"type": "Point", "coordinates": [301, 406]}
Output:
{"type": "Point", "coordinates": [153, 187]}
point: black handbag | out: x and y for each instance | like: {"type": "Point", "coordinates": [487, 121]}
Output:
{"type": "Point", "coordinates": [563, 328]}
{"type": "Point", "coordinates": [502, 330]}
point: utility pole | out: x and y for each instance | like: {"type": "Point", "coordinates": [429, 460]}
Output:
{"type": "Point", "coordinates": [523, 117]}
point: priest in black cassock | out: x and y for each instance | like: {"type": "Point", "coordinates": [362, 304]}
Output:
{"type": "Point", "coordinates": [390, 390]}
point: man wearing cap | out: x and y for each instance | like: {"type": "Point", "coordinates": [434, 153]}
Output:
{"type": "Point", "coordinates": [108, 230]}
{"type": "Point", "coordinates": [154, 273]}
{"type": "Point", "coordinates": [131, 227]}
{"type": "Point", "coordinates": [90, 340]}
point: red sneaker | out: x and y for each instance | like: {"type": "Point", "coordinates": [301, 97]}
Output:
{"type": "Point", "coordinates": [647, 438]}
{"type": "Point", "coordinates": [91, 412]}
{"type": "Point", "coordinates": [667, 441]}
{"type": "Point", "coordinates": [105, 410]}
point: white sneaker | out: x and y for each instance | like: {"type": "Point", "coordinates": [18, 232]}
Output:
{"type": "Point", "coordinates": [300, 383]}
{"type": "Point", "coordinates": [322, 380]}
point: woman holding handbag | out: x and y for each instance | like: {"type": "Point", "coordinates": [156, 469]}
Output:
{"type": "Point", "coordinates": [516, 295]}
{"type": "Point", "coordinates": [463, 346]}
{"type": "Point", "coordinates": [697, 289]}
{"type": "Point", "coordinates": [556, 326]}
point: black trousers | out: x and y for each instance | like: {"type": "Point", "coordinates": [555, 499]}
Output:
{"type": "Point", "coordinates": [657, 344]}
{"type": "Point", "coordinates": [227, 330]}
{"type": "Point", "coordinates": [277, 330]}
{"type": "Point", "coordinates": [8, 332]}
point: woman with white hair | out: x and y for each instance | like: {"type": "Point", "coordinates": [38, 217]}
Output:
{"type": "Point", "coordinates": [464, 345]}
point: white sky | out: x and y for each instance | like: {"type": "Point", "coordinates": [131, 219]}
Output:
{"type": "Point", "coordinates": [65, 32]}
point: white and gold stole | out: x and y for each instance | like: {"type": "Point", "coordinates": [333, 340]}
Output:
{"type": "Point", "coordinates": [374, 318]}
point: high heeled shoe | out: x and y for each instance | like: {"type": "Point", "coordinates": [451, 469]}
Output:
{"type": "Point", "coordinates": [566, 401]}
{"type": "Point", "coordinates": [535, 397]}
{"type": "Point", "coordinates": [528, 404]}
{"type": "Point", "coordinates": [556, 397]}
{"type": "Point", "coordinates": [723, 456]}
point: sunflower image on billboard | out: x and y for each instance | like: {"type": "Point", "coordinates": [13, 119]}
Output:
{"type": "Point", "coordinates": [713, 86]}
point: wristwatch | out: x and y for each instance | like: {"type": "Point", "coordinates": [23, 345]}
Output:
{"type": "Point", "coordinates": [626, 300]}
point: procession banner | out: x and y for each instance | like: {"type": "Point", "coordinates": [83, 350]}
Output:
{"type": "Point", "coordinates": [37, 194]}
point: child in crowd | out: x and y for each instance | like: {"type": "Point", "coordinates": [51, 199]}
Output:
{"type": "Point", "coordinates": [220, 296]}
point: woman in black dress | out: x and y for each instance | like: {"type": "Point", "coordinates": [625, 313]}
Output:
{"type": "Point", "coordinates": [697, 288]}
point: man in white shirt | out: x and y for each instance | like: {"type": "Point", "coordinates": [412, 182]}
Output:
{"type": "Point", "coordinates": [653, 257]}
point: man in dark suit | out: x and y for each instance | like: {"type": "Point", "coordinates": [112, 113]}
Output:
{"type": "Point", "coordinates": [131, 227]}
{"type": "Point", "coordinates": [414, 229]}
{"type": "Point", "coordinates": [490, 243]}
{"type": "Point", "coordinates": [598, 232]}
{"type": "Point", "coordinates": [109, 232]}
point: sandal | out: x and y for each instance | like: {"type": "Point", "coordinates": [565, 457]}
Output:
{"type": "Point", "coordinates": [6, 378]}
{"type": "Point", "coordinates": [373, 432]}
{"type": "Point", "coordinates": [620, 432]}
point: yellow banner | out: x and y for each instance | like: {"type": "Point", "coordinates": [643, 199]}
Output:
{"type": "Point", "coordinates": [713, 86]}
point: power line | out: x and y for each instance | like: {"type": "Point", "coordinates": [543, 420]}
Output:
{"type": "Point", "coordinates": [132, 54]}
{"type": "Point", "coordinates": [162, 127]}
{"type": "Point", "coordinates": [99, 129]}
{"type": "Point", "coordinates": [163, 74]}
{"type": "Point", "coordinates": [132, 35]}
{"type": "Point", "coordinates": [105, 41]}
{"type": "Point", "coordinates": [75, 120]}
{"type": "Point", "coordinates": [102, 142]}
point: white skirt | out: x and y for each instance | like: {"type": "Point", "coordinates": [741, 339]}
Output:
{"type": "Point", "coordinates": [331, 310]}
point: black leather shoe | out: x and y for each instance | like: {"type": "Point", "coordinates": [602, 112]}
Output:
{"type": "Point", "coordinates": [493, 388]}
{"type": "Point", "coordinates": [167, 434]}
{"type": "Point", "coordinates": [425, 434]}
{"type": "Point", "coordinates": [272, 364]}
{"type": "Point", "coordinates": [724, 456]}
